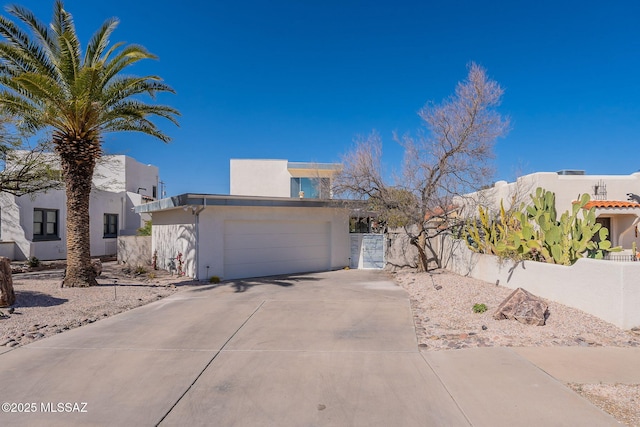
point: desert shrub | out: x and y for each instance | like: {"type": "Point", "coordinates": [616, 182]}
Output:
{"type": "Point", "coordinates": [479, 308]}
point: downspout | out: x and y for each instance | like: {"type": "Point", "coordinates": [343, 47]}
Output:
{"type": "Point", "coordinates": [197, 232]}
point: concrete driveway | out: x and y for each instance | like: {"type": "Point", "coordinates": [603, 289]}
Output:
{"type": "Point", "coordinates": [324, 349]}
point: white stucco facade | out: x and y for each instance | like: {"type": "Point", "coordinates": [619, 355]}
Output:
{"type": "Point", "coordinates": [273, 178]}
{"type": "Point", "coordinates": [603, 190]}
{"type": "Point", "coordinates": [117, 190]}
{"type": "Point", "coordinates": [237, 237]}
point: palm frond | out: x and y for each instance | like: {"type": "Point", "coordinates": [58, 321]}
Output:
{"type": "Point", "coordinates": [42, 32]}
{"type": "Point", "coordinates": [46, 82]}
{"type": "Point", "coordinates": [143, 126]}
{"type": "Point", "coordinates": [124, 58]}
{"type": "Point", "coordinates": [41, 88]}
{"type": "Point", "coordinates": [29, 114]}
{"type": "Point", "coordinates": [26, 55]}
{"type": "Point", "coordinates": [99, 42]}
{"type": "Point", "coordinates": [137, 109]}
{"type": "Point", "coordinates": [125, 87]}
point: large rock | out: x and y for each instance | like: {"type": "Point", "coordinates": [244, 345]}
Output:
{"type": "Point", "coordinates": [7, 296]}
{"type": "Point", "coordinates": [97, 267]}
{"type": "Point", "coordinates": [524, 307]}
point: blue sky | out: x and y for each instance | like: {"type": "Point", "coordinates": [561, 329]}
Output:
{"type": "Point", "coordinates": [299, 80]}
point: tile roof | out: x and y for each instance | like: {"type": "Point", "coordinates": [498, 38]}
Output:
{"type": "Point", "coordinates": [611, 204]}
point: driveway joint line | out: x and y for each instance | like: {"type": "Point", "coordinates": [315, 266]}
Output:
{"type": "Point", "coordinates": [446, 388]}
{"type": "Point", "coordinates": [320, 351]}
{"type": "Point", "coordinates": [208, 364]}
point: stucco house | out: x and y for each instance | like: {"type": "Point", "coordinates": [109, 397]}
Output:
{"type": "Point", "coordinates": [35, 225]}
{"type": "Point", "coordinates": [281, 178]}
{"type": "Point", "coordinates": [616, 198]}
{"type": "Point", "coordinates": [279, 219]}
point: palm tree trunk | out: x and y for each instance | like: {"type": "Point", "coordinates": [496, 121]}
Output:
{"type": "Point", "coordinates": [78, 177]}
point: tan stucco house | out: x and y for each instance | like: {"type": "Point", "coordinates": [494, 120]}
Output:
{"type": "Point", "coordinates": [616, 198]}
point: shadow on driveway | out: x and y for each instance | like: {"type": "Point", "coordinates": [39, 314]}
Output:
{"type": "Point", "coordinates": [246, 284]}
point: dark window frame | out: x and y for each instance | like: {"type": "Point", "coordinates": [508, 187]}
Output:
{"type": "Point", "coordinates": [44, 235]}
{"type": "Point", "coordinates": [110, 226]}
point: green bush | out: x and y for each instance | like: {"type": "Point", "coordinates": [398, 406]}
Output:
{"type": "Point", "coordinates": [33, 262]}
{"type": "Point", "coordinates": [479, 308]}
{"type": "Point", "coordinates": [145, 230]}
{"type": "Point", "coordinates": [214, 279]}
{"type": "Point", "coordinates": [140, 270]}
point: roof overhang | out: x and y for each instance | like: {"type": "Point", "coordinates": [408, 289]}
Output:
{"type": "Point", "coordinates": [614, 207]}
{"type": "Point", "coordinates": [203, 200]}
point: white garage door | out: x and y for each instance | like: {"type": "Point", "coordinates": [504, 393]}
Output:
{"type": "Point", "coordinates": [265, 248]}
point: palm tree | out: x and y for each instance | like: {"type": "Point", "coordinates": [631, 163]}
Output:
{"type": "Point", "coordinates": [47, 83]}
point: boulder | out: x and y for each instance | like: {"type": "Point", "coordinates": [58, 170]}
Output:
{"type": "Point", "coordinates": [524, 307]}
{"type": "Point", "coordinates": [7, 295]}
{"type": "Point", "coordinates": [97, 267]}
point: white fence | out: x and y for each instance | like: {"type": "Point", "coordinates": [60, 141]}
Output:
{"type": "Point", "coordinates": [609, 290]}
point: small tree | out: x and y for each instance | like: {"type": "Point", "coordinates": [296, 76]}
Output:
{"type": "Point", "coordinates": [24, 170]}
{"type": "Point", "coordinates": [450, 157]}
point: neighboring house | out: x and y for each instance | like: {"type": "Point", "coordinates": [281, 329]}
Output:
{"type": "Point", "coordinates": [614, 197]}
{"type": "Point", "coordinates": [282, 178]}
{"type": "Point", "coordinates": [35, 225]}
{"type": "Point", "coordinates": [279, 219]}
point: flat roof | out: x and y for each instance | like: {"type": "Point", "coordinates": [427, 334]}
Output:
{"type": "Point", "coordinates": [194, 199]}
{"type": "Point", "coordinates": [314, 166]}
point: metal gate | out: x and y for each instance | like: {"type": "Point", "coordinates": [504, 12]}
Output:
{"type": "Point", "coordinates": [367, 251]}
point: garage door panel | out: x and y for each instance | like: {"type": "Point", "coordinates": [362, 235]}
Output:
{"type": "Point", "coordinates": [243, 256]}
{"type": "Point", "coordinates": [261, 248]}
{"type": "Point", "coordinates": [276, 240]}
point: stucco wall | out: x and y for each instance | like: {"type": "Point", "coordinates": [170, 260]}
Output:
{"type": "Point", "coordinates": [135, 250]}
{"type": "Point", "coordinates": [17, 222]}
{"type": "Point", "coordinates": [607, 289]}
{"type": "Point", "coordinates": [251, 177]}
{"type": "Point", "coordinates": [7, 249]}
{"type": "Point", "coordinates": [566, 187]}
{"type": "Point", "coordinates": [141, 178]}
{"type": "Point", "coordinates": [120, 173]}
{"type": "Point", "coordinates": [401, 254]}
{"type": "Point", "coordinates": [175, 231]}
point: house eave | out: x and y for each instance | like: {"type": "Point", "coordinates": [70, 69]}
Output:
{"type": "Point", "coordinates": [194, 199]}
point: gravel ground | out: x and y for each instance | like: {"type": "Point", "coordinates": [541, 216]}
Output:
{"type": "Point", "coordinates": [442, 304]}
{"type": "Point", "coordinates": [43, 308]}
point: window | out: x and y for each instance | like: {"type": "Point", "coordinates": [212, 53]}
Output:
{"type": "Point", "coordinates": [310, 188]}
{"type": "Point", "coordinates": [110, 225]}
{"type": "Point", "coordinates": [45, 224]}
{"type": "Point", "coordinates": [154, 192]}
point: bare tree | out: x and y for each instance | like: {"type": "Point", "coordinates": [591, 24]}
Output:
{"type": "Point", "coordinates": [24, 169]}
{"type": "Point", "coordinates": [451, 156]}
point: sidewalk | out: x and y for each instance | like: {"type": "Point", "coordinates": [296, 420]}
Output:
{"type": "Point", "coordinates": [326, 349]}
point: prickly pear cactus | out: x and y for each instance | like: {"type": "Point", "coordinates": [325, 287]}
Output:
{"type": "Point", "coordinates": [564, 240]}
{"type": "Point", "coordinates": [535, 232]}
